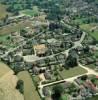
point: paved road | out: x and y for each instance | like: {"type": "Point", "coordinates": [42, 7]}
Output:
{"type": "Point", "coordinates": [64, 80]}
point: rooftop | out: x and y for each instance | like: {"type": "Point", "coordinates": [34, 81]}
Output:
{"type": "Point", "coordinates": [40, 49]}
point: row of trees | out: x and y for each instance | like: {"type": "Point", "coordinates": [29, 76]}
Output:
{"type": "Point", "coordinates": [15, 6]}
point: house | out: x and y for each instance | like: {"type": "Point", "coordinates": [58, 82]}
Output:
{"type": "Point", "coordinates": [90, 86]}
{"type": "Point", "coordinates": [18, 58]}
{"type": "Point", "coordinates": [7, 59]}
{"type": "Point", "coordinates": [83, 61]}
{"type": "Point", "coordinates": [79, 50]}
{"type": "Point", "coordinates": [54, 42]}
{"type": "Point", "coordinates": [66, 85]}
{"type": "Point", "coordinates": [14, 34]}
{"type": "Point", "coordinates": [27, 52]}
{"type": "Point", "coordinates": [18, 66]}
{"type": "Point", "coordinates": [96, 65]}
{"type": "Point", "coordinates": [28, 65]}
{"type": "Point", "coordinates": [1, 52]}
{"type": "Point", "coordinates": [41, 63]}
{"type": "Point", "coordinates": [78, 81]}
{"type": "Point", "coordinates": [83, 92]}
{"type": "Point", "coordinates": [52, 60]}
{"type": "Point", "coordinates": [40, 49]}
{"type": "Point", "coordinates": [46, 91]}
{"type": "Point", "coordinates": [61, 58]}
{"type": "Point", "coordinates": [42, 41]}
{"type": "Point", "coordinates": [36, 70]}
{"type": "Point", "coordinates": [47, 75]}
{"type": "Point", "coordinates": [90, 60]}
{"type": "Point", "coordinates": [17, 39]}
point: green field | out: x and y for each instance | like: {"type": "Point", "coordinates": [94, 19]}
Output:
{"type": "Point", "coordinates": [72, 72]}
{"type": "Point", "coordinates": [3, 69]}
{"type": "Point", "coordinates": [33, 12]}
{"type": "Point", "coordinates": [79, 21]}
{"type": "Point", "coordinates": [4, 37]}
{"type": "Point", "coordinates": [88, 27]}
{"type": "Point", "coordinates": [7, 42]}
{"type": "Point", "coordinates": [30, 92]}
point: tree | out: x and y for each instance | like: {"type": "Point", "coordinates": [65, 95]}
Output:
{"type": "Point", "coordinates": [22, 32]}
{"type": "Point", "coordinates": [47, 62]}
{"type": "Point", "coordinates": [57, 91]}
{"type": "Point", "coordinates": [72, 88]}
{"type": "Point", "coordinates": [20, 86]}
{"type": "Point", "coordinates": [84, 77]}
{"type": "Point", "coordinates": [86, 49]}
{"type": "Point", "coordinates": [5, 19]}
{"type": "Point", "coordinates": [72, 59]}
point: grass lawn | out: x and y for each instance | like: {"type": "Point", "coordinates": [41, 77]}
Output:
{"type": "Point", "coordinates": [88, 27]}
{"type": "Point", "coordinates": [32, 12]}
{"type": "Point", "coordinates": [30, 92]}
{"type": "Point", "coordinates": [3, 69]}
{"type": "Point", "coordinates": [72, 72]}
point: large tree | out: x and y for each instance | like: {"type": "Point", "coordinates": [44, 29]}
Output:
{"type": "Point", "coordinates": [72, 59]}
{"type": "Point", "coordinates": [57, 91]}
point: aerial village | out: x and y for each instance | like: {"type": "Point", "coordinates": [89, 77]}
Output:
{"type": "Point", "coordinates": [60, 56]}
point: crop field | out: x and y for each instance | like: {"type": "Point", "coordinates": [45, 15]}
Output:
{"type": "Point", "coordinates": [8, 84]}
{"type": "Point", "coordinates": [30, 92]}
{"type": "Point", "coordinates": [3, 69]}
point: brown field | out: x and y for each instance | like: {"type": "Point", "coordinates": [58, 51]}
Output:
{"type": "Point", "coordinates": [8, 82]}
{"type": "Point", "coordinates": [15, 27]}
{"type": "Point", "coordinates": [3, 11]}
